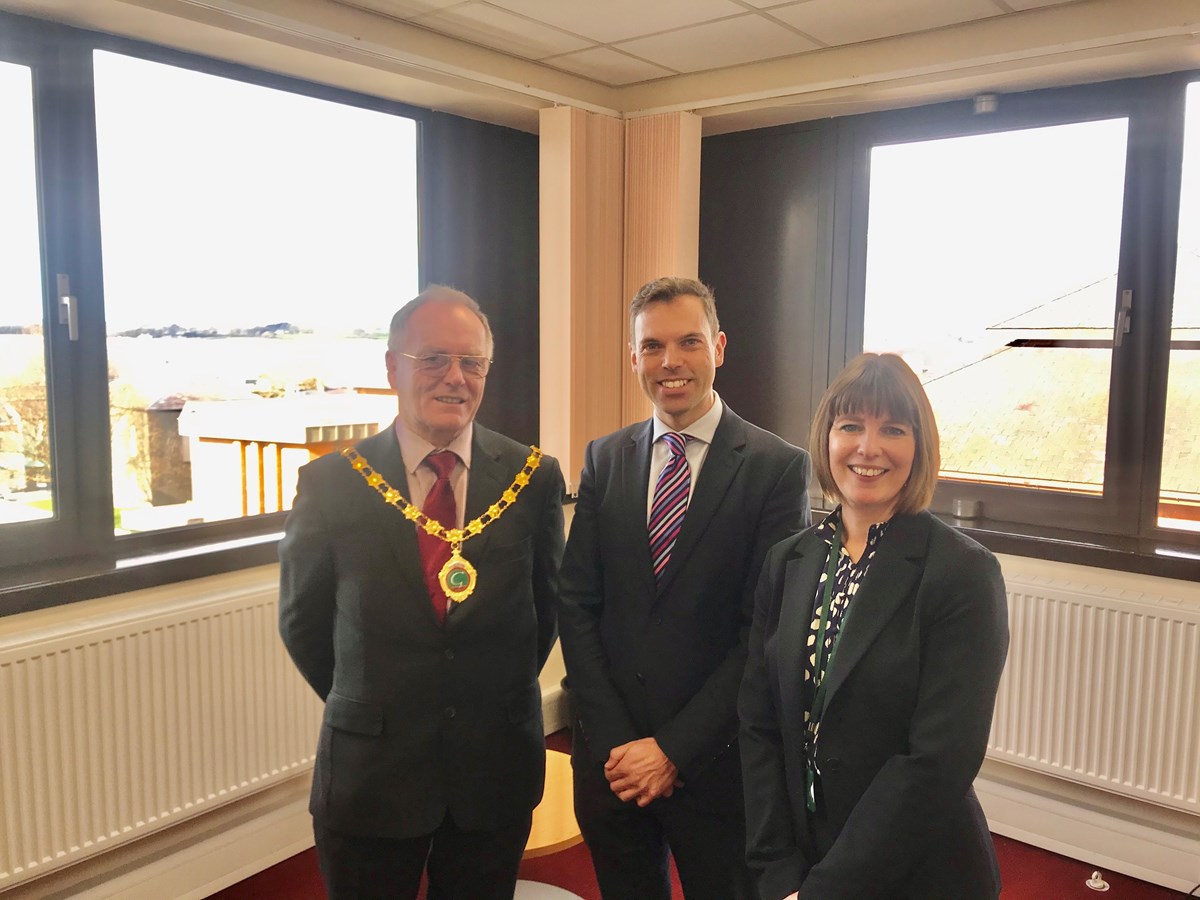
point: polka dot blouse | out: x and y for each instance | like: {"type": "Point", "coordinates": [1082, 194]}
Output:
{"type": "Point", "coordinates": [848, 576]}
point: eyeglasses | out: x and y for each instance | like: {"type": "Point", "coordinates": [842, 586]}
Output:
{"type": "Point", "coordinates": [439, 364]}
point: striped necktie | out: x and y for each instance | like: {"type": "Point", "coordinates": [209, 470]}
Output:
{"type": "Point", "coordinates": [670, 502]}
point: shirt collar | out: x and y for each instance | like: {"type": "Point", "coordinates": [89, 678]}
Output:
{"type": "Point", "coordinates": [414, 448]}
{"type": "Point", "coordinates": [830, 523]}
{"type": "Point", "coordinates": [702, 429]}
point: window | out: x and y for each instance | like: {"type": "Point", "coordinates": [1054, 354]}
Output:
{"type": "Point", "coordinates": [25, 471]}
{"type": "Point", "coordinates": [991, 268]}
{"type": "Point", "coordinates": [255, 243]}
{"type": "Point", "coordinates": [1179, 493]}
{"type": "Point", "coordinates": [198, 269]}
{"type": "Point", "coordinates": [40, 313]}
{"type": "Point", "coordinates": [1038, 265]}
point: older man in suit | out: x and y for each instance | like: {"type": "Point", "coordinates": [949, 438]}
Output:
{"type": "Point", "coordinates": [674, 518]}
{"type": "Point", "coordinates": [418, 582]}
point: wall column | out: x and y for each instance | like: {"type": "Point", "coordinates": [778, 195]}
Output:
{"type": "Point", "coordinates": [619, 205]}
{"type": "Point", "coordinates": [662, 216]}
{"type": "Point", "coordinates": [582, 243]}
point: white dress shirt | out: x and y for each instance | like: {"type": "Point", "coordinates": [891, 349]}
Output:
{"type": "Point", "coordinates": [421, 478]}
{"type": "Point", "coordinates": [701, 432]}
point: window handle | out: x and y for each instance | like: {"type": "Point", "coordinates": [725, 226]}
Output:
{"type": "Point", "coordinates": [1123, 320]}
{"type": "Point", "coordinates": [68, 307]}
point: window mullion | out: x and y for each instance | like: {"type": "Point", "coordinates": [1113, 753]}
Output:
{"type": "Point", "coordinates": [1159, 130]}
{"type": "Point", "coordinates": [67, 147]}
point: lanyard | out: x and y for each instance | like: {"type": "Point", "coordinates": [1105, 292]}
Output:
{"type": "Point", "coordinates": [823, 661]}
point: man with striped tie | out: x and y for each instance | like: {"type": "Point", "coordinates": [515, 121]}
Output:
{"type": "Point", "coordinates": [674, 518]}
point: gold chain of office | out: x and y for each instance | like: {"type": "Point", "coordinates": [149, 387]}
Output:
{"type": "Point", "coordinates": [457, 577]}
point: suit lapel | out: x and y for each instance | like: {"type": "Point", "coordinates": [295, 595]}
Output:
{"type": "Point", "coordinates": [894, 571]}
{"type": "Point", "coordinates": [721, 464]}
{"type": "Point", "coordinates": [383, 453]}
{"type": "Point", "coordinates": [486, 483]}
{"type": "Point", "coordinates": [634, 479]}
{"type": "Point", "coordinates": [795, 620]}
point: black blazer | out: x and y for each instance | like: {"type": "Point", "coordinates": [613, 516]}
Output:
{"type": "Point", "coordinates": [909, 705]}
{"type": "Point", "coordinates": [421, 719]}
{"type": "Point", "coordinates": [666, 661]}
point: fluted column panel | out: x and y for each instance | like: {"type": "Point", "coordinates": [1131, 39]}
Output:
{"type": "Point", "coordinates": [662, 215]}
{"type": "Point", "coordinates": [582, 246]}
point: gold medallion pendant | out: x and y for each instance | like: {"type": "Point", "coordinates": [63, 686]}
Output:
{"type": "Point", "coordinates": [457, 577]}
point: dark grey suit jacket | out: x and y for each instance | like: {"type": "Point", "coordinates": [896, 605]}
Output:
{"type": "Point", "coordinates": [666, 661]}
{"type": "Point", "coordinates": [421, 719]}
{"type": "Point", "coordinates": [909, 704]}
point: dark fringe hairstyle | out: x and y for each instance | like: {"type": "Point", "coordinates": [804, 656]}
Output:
{"type": "Point", "coordinates": [880, 384]}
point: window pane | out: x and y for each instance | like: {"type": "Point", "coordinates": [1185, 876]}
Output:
{"type": "Point", "coordinates": [256, 244]}
{"type": "Point", "coordinates": [1179, 494]}
{"type": "Point", "coordinates": [25, 478]}
{"type": "Point", "coordinates": [991, 268]}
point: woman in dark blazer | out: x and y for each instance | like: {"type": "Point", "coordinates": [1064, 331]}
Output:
{"type": "Point", "coordinates": [878, 640]}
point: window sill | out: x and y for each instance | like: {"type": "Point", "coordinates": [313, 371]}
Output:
{"type": "Point", "coordinates": [30, 588]}
{"type": "Point", "coordinates": [1143, 556]}
{"type": "Point", "coordinates": [38, 587]}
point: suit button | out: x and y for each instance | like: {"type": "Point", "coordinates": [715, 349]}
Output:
{"type": "Point", "coordinates": [832, 765]}
{"type": "Point", "coordinates": [658, 620]}
{"type": "Point", "coordinates": [449, 712]}
{"type": "Point", "coordinates": [641, 679]}
{"type": "Point", "coordinates": [449, 654]}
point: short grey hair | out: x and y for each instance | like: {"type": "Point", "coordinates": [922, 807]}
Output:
{"type": "Point", "coordinates": [435, 293]}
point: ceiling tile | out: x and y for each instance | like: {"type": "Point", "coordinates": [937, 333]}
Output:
{"type": "Point", "coordinates": [608, 66]}
{"type": "Point", "coordinates": [715, 44]}
{"type": "Point", "coordinates": [400, 9]}
{"type": "Point", "coordinates": [502, 30]}
{"type": "Point", "coordinates": [838, 22]}
{"type": "Point", "coordinates": [616, 20]}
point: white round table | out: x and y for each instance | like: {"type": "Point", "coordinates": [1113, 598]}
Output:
{"type": "Point", "coordinates": [535, 890]}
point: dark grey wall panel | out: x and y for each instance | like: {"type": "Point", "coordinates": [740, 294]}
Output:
{"type": "Point", "coordinates": [479, 233]}
{"type": "Point", "coordinates": [766, 249]}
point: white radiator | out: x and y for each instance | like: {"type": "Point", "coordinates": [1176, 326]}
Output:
{"type": "Point", "coordinates": [121, 716]}
{"type": "Point", "coordinates": [1102, 687]}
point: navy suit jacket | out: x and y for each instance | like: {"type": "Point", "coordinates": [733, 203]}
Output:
{"type": "Point", "coordinates": [910, 694]}
{"type": "Point", "coordinates": [666, 660]}
{"type": "Point", "coordinates": [422, 719]}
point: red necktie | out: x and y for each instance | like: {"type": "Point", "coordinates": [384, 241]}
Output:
{"type": "Point", "coordinates": [439, 505]}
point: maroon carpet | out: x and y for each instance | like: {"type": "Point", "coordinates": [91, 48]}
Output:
{"type": "Point", "coordinates": [1028, 873]}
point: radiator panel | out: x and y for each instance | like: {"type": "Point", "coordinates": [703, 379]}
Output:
{"type": "Point", "coordinates": [150, 711]}
{"type": "Point", "coordinates": [120, 725]}
{"type": "Point", "coordinates": [1103, 687]}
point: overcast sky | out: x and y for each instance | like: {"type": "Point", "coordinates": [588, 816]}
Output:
{"type": "Point", "coordinates": [225, 204]}
{"type": "Point", "coordinates": [966, 232]}
{"type": "Point", "coordinates": [231, 205]}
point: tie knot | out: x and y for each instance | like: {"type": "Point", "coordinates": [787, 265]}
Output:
{"type": "Point", "coordinates": [676, 442]}
{"type": "Point", "coordinates": [442, 462]}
